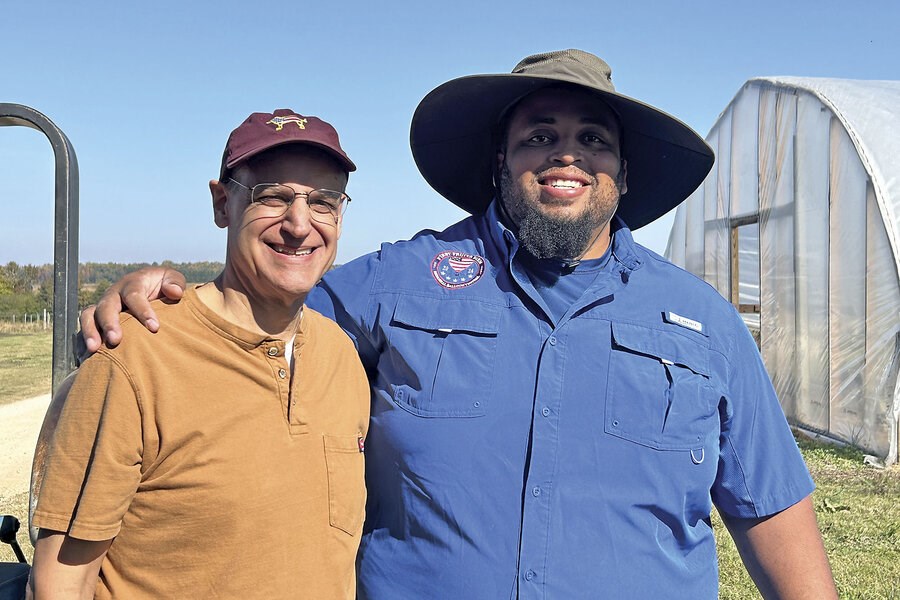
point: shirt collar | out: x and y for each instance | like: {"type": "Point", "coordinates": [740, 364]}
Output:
{"type": "Point", "coordinates": [504, 239]}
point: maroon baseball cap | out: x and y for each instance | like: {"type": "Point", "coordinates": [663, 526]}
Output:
{"type": "Point", "coordinates": [261, 131]}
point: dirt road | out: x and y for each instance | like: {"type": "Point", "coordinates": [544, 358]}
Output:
{"type": "Point", "coordinates": [20, 423]}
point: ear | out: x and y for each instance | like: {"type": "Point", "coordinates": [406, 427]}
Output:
{"type": "Point", "coordinates": [621, 178]}
{"type": "Point", "coordinates": [498, 168]}
{"type": "Point", "coordinates": [219, 202]}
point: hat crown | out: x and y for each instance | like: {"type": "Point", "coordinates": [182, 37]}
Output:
{"type": "Point", "coordinates": [261, 131]}
{"type": "Point", "coordinates": [575, 66]}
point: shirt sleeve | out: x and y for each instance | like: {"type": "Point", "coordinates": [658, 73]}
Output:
{"type": "Point", "coordinates": [761, 471]}
{"type": "Point", "coordinates": [345, 295]}
{"type": "Point", "coordinates": [93, 465]}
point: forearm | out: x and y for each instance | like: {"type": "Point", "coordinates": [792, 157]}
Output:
{"type": "Point", "coordinates": [65, 567]}
{"type": "Point", "coordinates": [784, 554]}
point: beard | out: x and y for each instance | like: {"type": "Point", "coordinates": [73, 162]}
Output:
{"type": "Point", "coordinates": [547, 236]}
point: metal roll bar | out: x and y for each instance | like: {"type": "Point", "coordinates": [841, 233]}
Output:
{"type": "Point", "coordinates": [65, 247]}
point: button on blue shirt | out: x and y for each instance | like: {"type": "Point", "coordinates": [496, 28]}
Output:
{"type": "Point", "coordinates": [511, 455]}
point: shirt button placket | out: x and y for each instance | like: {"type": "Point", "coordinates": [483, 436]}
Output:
{"type": "Point", "coordinates": [537, 522]}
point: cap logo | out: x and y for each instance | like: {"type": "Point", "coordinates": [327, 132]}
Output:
{"type": "Point", "coordinates": [280, 122]}
{"type": "Point", "coordinates": [454, 269]}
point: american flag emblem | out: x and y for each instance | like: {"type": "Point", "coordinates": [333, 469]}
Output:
{"type": "Point", "coordinates": [280, 122]}
{"type": "Point", "coordinates": [461, 263]}
{"type": "Point", "coordinates": [453, 269]}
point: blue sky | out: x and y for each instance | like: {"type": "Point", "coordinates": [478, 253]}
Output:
{"type": "Point", "coordinates": [148, 92]}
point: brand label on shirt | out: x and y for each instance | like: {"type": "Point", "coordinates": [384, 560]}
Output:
{"type": "Point", "coordinates": [684, 322]}
{"type": "Point", "coordinates": [361, 441]}
{"type": "Point", "coordinates": [453, 269]}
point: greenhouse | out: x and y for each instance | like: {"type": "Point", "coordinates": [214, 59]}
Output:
{"type": "Point", "coordinates": [798, 224]}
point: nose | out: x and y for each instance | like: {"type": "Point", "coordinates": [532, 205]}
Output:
{"type": "Point", "coordinates": [297, 220]}
{"type": "Point", "coordinates": [567, 152]}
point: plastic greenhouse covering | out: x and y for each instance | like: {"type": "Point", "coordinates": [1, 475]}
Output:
{"type": "Point", "coordinates": [798, 224]}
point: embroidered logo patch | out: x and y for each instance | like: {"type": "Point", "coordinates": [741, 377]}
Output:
{"type": "Point", "coordinates": [362, 443]}
{"type": "Point", "coordinates": [280, 122]}
{"type": "Point", "coordinates": [454, 269]}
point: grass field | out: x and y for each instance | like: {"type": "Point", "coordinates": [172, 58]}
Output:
{"type": "Point", "coordinates": [25, 354]}
{"type": "Point", "coordinates": [858, 507]}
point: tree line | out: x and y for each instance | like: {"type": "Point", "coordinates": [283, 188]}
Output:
{"type": "Point", "coordinates": [28, 289]}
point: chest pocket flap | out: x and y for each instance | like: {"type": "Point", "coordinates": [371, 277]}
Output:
{"type": "Point", "coordinates": [435, 314]}
{"type": "Point", "coordinates": [668, 346]}
{"type": "Point", "coordinates": [442, 355]}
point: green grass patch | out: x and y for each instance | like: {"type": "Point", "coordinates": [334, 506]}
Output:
{"type": "Point", "coordinates": [25, 358]}
{"type": "Point", "coordinates": [858, 508]}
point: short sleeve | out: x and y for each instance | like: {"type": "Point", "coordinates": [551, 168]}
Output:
{"type": "Point", "coordinates": [93, 466]}
{"type": "Point", "coordinates": [761, 471]}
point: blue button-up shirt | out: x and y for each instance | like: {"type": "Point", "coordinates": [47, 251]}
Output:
{"type": "Point", "coordinates": [511, 455]}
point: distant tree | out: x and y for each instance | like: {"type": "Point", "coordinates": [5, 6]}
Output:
{"type": "Point", "coordinates": [15, 278]}
{"type": "Point", "coordinates": [85, 297]}
{"type": "Point", "coordinates": [6, 287]}
{"type": "Point", "coordinates": [45, 295]}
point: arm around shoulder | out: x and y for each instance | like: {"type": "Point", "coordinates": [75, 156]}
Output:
{"type": "Point", "coordinates": [133, 293]}
{"type": "Point", "coordinates": [784, 553]}
{"type": "Point", "coordinates": [65, 567]}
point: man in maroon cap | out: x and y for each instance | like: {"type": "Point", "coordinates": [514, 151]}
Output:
{"type": "Point", "coordinates": [223, 457]}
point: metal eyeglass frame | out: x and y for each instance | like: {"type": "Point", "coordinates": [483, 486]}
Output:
{"type": "Point", "coordinates": [345, 200]}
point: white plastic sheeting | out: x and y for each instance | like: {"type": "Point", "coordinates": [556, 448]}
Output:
{"type": "Point", "coordinates": [802, 215]}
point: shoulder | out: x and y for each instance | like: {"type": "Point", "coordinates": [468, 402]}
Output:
{"type": "Point", "coordinates": [175, 317]}
{"type": "Point", "coordinates": [401, 264]}
{"type": "Point", "coordinates": [660, 270]}
{"type": "Point", "coordinates": [464, 236]}
{"type": "Point", "coordinates": [678, 294]}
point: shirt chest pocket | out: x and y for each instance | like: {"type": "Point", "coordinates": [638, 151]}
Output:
{"type": "Point", "coordinates": [658, 392]}
{"type": "Point", "coordinates": [442, 356]}
{"type": "Point", "coordinates": [344, 463]}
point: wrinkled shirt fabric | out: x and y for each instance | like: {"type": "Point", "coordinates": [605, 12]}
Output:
{"type": "Point", "coordinates": [514, 455]}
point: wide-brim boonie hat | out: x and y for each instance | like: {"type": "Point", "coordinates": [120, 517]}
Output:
{"type": "Point", "coordinates": [454, 135]}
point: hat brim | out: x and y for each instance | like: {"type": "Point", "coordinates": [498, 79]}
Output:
{"type": "Point", "coordinates": [342, 159]}
{"type": "Point", "coordinates": [452, 141]}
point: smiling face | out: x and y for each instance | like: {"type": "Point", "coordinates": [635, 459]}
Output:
{"type": "Point", "coordinates": [561, 173]}
{"type": "Point", "coordinates": [272, 258]}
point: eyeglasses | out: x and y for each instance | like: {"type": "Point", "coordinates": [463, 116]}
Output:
{"type": "Point", "coordinates": [325, 206]}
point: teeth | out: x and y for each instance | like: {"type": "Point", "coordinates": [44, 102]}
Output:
{"type": "Point", "coordinates": [564, 183]}
{"type": "Point", "coordinates": [292, 251]}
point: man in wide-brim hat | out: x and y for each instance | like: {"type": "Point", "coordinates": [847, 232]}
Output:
{"type": "Point", "coordinates": [555, 408]}
{"type": "Point", "coordinates": [455, 128]}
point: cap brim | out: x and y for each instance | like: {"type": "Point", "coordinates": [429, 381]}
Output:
{"type": "Point", "coordinates": [452, 141]}
{"type": "Point", "coordinates": [236, 160]}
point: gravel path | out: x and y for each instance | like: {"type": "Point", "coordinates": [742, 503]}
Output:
{"type": "Point", "coordinates": [20, 423]}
